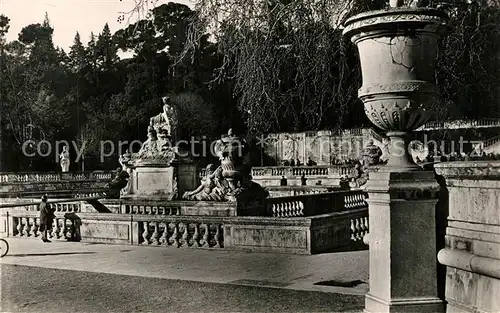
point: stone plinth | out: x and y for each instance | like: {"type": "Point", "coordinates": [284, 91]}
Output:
{"type": "Point", "coordinates": [153, 182]}
{"type": "Point", "coordinates": [472, 244]}
{"type": "Point", "coordinates": [402, 242]}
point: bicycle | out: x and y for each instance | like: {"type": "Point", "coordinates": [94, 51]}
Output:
{"type": "Point", "coordinates": [4, 247]}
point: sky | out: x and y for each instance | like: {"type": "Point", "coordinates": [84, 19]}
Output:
{"type": "Point", "coordinates": [69, 16]}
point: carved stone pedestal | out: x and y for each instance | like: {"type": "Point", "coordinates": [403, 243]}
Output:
{"type": "Point", "coordinates": [153, 182]}
{"type": "Point", "coordinates": [402, 242]}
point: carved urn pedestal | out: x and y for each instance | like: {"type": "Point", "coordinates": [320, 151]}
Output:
{"type": "Point", "coordinates": [398, 51]}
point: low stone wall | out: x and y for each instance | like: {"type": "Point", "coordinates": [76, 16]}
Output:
{"type": "Point", "coordinates": [302, 235]}
{"type": "Point", "coordinates": [472, 243]}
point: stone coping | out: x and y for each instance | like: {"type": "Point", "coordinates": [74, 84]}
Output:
{"type": "Point", "coordinates": [168, 202]}
{"type": "Point", "coordinates": [485, 170]}
{"type": "Point", "coordinates": [264, 220]}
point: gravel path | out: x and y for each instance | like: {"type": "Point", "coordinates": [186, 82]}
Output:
{"type": "Point", "coordinates": [36, 289]}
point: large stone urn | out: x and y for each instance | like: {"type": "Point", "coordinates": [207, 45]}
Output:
{"type": "Point", "coordinates": [398, 51]}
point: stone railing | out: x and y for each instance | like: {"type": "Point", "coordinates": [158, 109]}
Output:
{"type": "Point", "coordinates": [54, 184]}
{"type": "Point", "coordinates": [187, 232]}
{"type": "Point", "coordinates": [26, 224]}
{"type": "Point", "coordinates": [285, 191]}
{"type": "Point", "coordinates": [54, 177]}
{"type": "Point", "coordinates": [457, 124]}
{"type": "Point", "coordinates": [287, 171]}
{"type": "Point", "coordinates": [298, 235]}
{"type": "Point", "coordinates": [309, 205]}
{"type": "Point", "coordinates": [359, 224]}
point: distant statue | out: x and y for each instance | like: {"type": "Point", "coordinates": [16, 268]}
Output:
{"type": "Point", "coordinates": [208, 190]}
{"type": "Point", "coordinates": [64, 159]}
{"type": "Point", "coordinates": [371, 154]}
{"type": "Point", "coordinates": [311, 162]}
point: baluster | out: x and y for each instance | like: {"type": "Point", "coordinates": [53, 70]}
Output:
{"type": "Point", "coordinates": [297, 208]}
{"type": "Point", "coordinates": [54, 230]}
{"type": "Point", "coordinates": [174, 239]}
{"type": "Point", "coordinates": [164, 235]}
{"type": "Point", "coordinates": [195, 240]}
{"type": "Point", "coordinates": [26, 227]}
{"type": "Point", "coordinates": [367, 225]}
{"type": "Point", "coordinates": [33, 227]}
{"type": "Point", "coordinates": [274, 210]}
{"type": "Point", "coordinates": [353, 229]}
{"type": "Point", "coordinates": [63, 228]}
{"type": "Point", "coordinates": [19, 226]}
{"type": "Point", "coordinates": [185, 235]}
{"type": "Point", "coordinates": [363, 227]}
{"type": "Point", "coordinates": [169, 210]}
{"type": "Point", "coordinates": [301, 208]}
{"type": "Point", "coordinates": [217, 236]}
{"type": "Point", "coordinates": [204, 241]}
{"type": "Point", "coordinates": [154, 236]}
{"type": "Point", "coordinates": [358, 230]}
{"type": "Point", "coordinates": [37, 231]}
{"type": "Point", "coordinates": [145, 234]}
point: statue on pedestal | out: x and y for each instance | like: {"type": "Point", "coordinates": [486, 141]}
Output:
{"type": "Point", "coordinates": [208, 190]}
{"type": "Point", "coordinates": [165, 123]}
{"type": "Point", "coordinates": [231, 181]}
{"type": "Point", "coordinates": [64, 159]}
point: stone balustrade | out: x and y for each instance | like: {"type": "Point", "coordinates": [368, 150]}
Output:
{"type": "Point", "coordinates": [53, 177]}
{"type": "Point", "coordinates": [316, 204]}
{"type": "Point", "coordinates": [297, 235]}
{"type": "Point", "coordinates": [26, 224]}
{"type": "Point", "coordinates": [290, 171]}
{"type": "Point", "coordinates": [55, 184]}
{"type": "Point", "coordinates": [182, 233]}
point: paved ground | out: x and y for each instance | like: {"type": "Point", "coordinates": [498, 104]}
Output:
{"type": "Point", "coordinates": [101, 278]}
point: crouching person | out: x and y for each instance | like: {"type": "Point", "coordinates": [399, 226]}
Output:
{"type": "Point", "coordinates": [46, 218]}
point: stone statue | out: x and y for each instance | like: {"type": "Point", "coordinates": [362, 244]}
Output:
{"type": "Point", "coordinates": [165, 123]}
{"type": "Point", "coordinates": [124, 159]}
{"type": "Point", "coordinates": [120, 181]}
{"type": "Point", "coordinates": [208, 190]}
{"type": "Point", "coordinates": [150, 146]}
{"type": "Point", "coordinates": [232, 180]}
{"type": "Point", "coordinates": [64, 159]}
{"type": "Point", "coordinates": [360, 175]}
{"type": "Point", "coordinates": [371, 154]}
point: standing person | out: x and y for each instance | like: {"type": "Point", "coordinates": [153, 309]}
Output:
{"type": "Point", "coordinates": [46, 218]}
{"type": "Point", "coordinates": [64, 159]}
